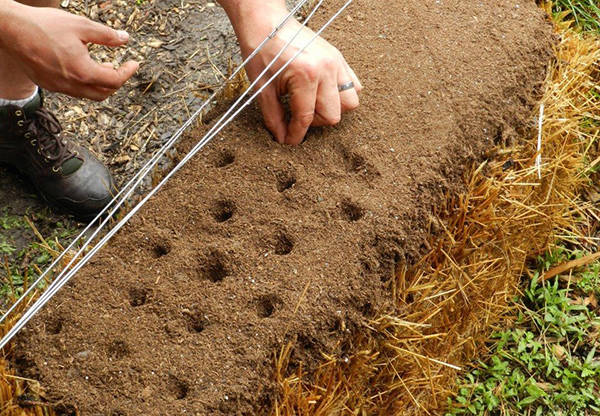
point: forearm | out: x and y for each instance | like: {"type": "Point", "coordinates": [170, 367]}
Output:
{"type": "Point", "coordinates": [238, 9]}
{"type": "Point", "coordinates": [9, 11]}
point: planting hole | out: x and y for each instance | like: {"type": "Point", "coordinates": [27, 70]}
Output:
{"type": "Point", "coordinates": [214, 268]}
{"type": "Point", "coordinates": [225, 158]}
{"type": "Point", "coordinates": [356, 163]}
{"type": "Point", "coordinates": [25, 366]}
{"type": "Point", "coordinates": [66, 410]}
{"type": "Point", "coordinates": [196, 322]}
{"type": "Point", "coordinates": [223, 210]}
{"type": "Point", "coordinates": [283, 245]}
{"type": "Point", "coordinates": [499, 136]}
{"type": "Point", "coordinates": [367, 310]}
{"type": "Point", "coordinates": [118, 349]}
{"type": "Point", "coordinates": [351, 212]}
{"type": "Point", "coordinates": [306, 342]}
{"type": "Point", "coordinates": [285, 180]}
{"type": "Point", "coordinates": [161, 249]}
{"type": "Point", "coordinates": [54, 325]}
{"type": "Point", "coordinates": [138, 296]}
{"type": "Point", "coordinates": [178, 388]}
{"type": "Point", "coordinates": [267, 305]}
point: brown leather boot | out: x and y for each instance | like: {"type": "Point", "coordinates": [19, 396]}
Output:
{"type": "Point", "coordinates": [65, 174]}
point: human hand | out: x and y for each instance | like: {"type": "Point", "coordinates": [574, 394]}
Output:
{"type": "Point", "coordinates": [311, 81]}
{"type": "Point", "coordinates": [51, 46]}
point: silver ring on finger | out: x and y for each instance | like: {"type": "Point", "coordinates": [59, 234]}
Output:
{"type": "Point", "coordinates": [346, 86]}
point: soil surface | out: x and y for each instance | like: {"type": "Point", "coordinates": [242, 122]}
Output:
{"type": "Point", "coordinates": [255, 244]}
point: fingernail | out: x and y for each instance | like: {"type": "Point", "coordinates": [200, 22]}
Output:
{"type": "Point", "coordinates": [123, 35]}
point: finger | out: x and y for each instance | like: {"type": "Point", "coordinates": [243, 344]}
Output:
{"type": "Point", "coordinates": [349, 98]}
{"type": "Point", "coordinates": [303, 97]}
{"type": "Point", "coordinates": [87, 91]}
{"type": "Point", "coordinates": [103, 35]}
{"type": "Point", "coordinates": [273, 113]}
{"type": "Point", "coordinates": [105, 76]}
{"type": "Point", "coordinates": [357, 84]}
{"type": "Point", "coordinates": [328, 106]}
{"type": "Point", "coordinates": [99, 94]}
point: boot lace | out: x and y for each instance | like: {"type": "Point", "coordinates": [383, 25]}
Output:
{"type": "Point", "coordinates": [46, 128]}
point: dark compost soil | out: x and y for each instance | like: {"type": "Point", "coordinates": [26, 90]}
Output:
{"type": "Point", "coordinates": [255, 244]}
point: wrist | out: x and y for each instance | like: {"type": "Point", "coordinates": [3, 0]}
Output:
{"type": "Point", "coordinates": [252, 20]}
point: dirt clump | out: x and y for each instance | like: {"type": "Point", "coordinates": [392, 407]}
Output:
{"type": "Point", "coordinates": [257, 244]}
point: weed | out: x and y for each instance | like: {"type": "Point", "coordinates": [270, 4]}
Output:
{"type": "Point", "coordinates": [10, 222]}
{"type": "Point", "coordinates": [22, 265]}
{"type": "Point", "coordinates": [548, 362]}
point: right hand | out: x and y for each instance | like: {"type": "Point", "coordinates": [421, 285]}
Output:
{"type": "Point", "coordinates": [51, 46]}
{"type": "Point", "coordinates": [311, 81]}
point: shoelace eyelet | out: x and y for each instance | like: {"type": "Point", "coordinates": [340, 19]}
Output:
{"type": "Point", "coordinates": [18, 113]}
{"type": "Point", "coordinates": [20, 123]}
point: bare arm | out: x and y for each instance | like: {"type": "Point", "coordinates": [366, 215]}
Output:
{"type": "Point", "coordinates": [51, 46]}
{"type": "Point", "coordinates": [311, 81]}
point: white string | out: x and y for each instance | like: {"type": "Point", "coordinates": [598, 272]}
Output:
{"type": "Point", "coordinates": [127, 190]}
{"type": "Point", "coordinates": [51, 291]}
{"type": "Point", "coordinates": [538, 158]}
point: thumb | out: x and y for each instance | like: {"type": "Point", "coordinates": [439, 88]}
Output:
{"type": "Point", "coordinates": [103, 35]}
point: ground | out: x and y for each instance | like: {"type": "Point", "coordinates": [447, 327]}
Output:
{"type": "Point", "coordinates": [255, 244]}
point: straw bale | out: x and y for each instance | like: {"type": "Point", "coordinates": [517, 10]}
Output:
{"type": "Point", "coordinates": [449, 303]}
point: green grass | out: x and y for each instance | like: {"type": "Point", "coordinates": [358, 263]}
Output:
{"type": "Point", "coordinates": [586, 13]}
{"type": "Point", "coordinates": [548, 363]}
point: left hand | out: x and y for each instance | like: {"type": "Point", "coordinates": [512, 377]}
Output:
{"type": "Point", "coordinates": [312, 81]}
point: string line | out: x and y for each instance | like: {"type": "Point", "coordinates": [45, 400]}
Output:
{"type": "Point", "coordinates": [219, 126]}
{"type": "Point", "coordinates": [126, 191]}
